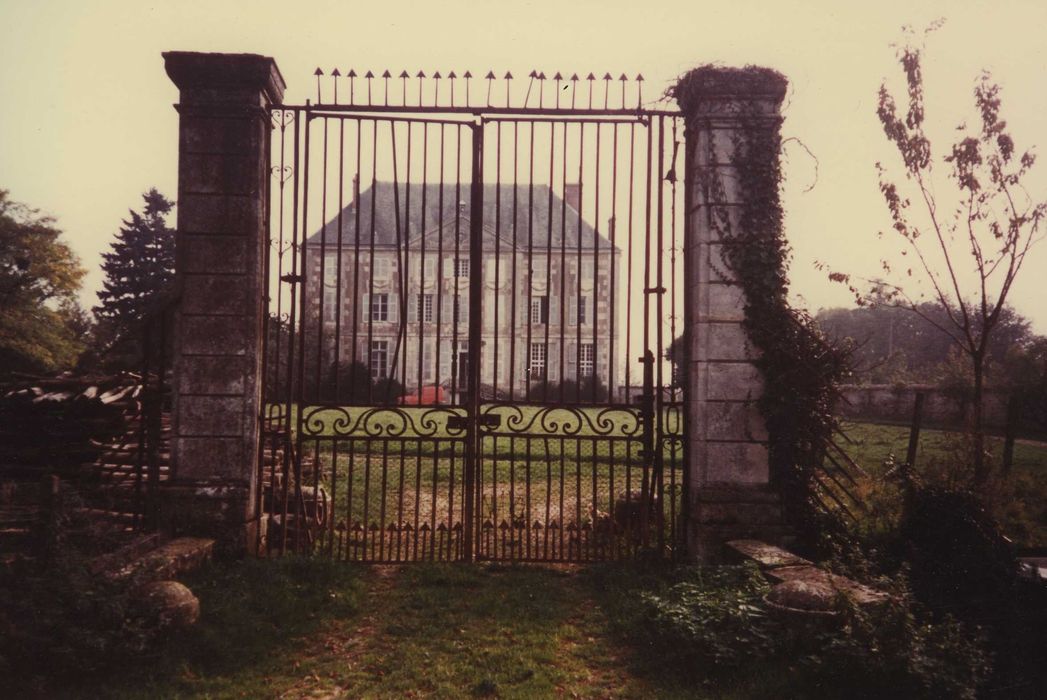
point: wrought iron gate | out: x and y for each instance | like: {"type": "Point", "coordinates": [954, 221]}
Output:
{"type": "Point", "coordinates": [468, 352]}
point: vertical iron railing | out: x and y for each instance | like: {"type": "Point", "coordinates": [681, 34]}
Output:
{"type": "Point", "coordinates": [153, 408]}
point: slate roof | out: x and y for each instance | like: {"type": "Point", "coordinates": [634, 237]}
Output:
{"type": "Point", "coordinates": [385, 223]}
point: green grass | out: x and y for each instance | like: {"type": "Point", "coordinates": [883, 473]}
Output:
{"type": "Point", "coordinates": [307, 628]}
{"type": "Point", "coordinates": [1019, 500]}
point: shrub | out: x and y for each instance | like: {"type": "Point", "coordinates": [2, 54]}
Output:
{"type": "Point", "coordinates": [714, 621]}
{"type": "Point", "coordinates": [714, 617]}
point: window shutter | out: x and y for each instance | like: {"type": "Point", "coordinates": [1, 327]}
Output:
{"type": "Point", "coordinates": [366, 312]}
{"type": "Point", "coordinates": [463, 309]}
{"type": "Point", "coordinates": [554, 310]}
{"type": "Point", "coordinates": [445, 361]}
{"type": "Point", "coordinates": [413, 302]}
{"type": "Point", "coordinates": [394, 307]}
{"type": "Point", "coordinates": [590, 309]}
{"type": "Point", "coordinates": [572, 314]}
{"type": "Point", "coordinates": [446, 308]}
{"type": "Point", "coordinates": [572, 360]}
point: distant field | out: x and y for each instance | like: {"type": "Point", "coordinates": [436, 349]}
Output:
{"type": "Point", "coordinates": [1020, 500]}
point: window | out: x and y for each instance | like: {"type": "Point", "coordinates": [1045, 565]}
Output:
{"type": "Point", "coordinates": [539, 309]}
{"type": "Point", "coordinates": [380, 307]}
{"type": "Point", "coordinates": [381, 269]}
{"type": "Point", "coordinates": [461, 267]}
{"type": "Point", "coordinates": [585, 360]}
{"type": "Point", "coordinates": [425, 307]}
{"type": "Point", "coordinates": [587, 270]}
{"type": "Point", "coordinates": [583, 306]}
{"type": "Point", "coordinates": [461, 310]}
{"type": "Point", "coordinates": [330, 286]}
{"type": "Point", "coordinates": [427, 361]}
{"type": "Point", "coordinates": [429, 268]}
{"type": "Point", "coordinates": [537, 363]}
{"type": "Point", "coordinates": [379, 359]}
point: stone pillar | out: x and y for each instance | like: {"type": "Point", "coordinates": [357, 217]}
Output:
{"type": "Point", "coordinates": [220, 270]}
{"type": "Point", "coordinates": [731, 495]}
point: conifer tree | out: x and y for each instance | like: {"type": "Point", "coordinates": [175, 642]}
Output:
{"type": "Point", "coordinates": [139, 266]}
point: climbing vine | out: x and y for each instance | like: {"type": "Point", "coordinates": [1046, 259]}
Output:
{"type": "Point", "coordinates": [800, 367]}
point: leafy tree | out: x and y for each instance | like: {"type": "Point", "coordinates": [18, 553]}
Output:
{"type": "Point", "coordinates": [138, 268]}
{"type": "Point", "coordinates": [984, 221]}
{"type": "Point", "coordinates": [39, 279]}
{"type": "Point", "coordinates": [893, 344]}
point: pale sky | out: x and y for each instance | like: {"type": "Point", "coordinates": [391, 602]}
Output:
{"type": "Point", "coordinates": [87, 124]}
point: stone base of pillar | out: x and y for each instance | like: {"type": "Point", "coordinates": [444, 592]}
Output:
{"type": "Point", "coordinates": [214, 510]}
{"type": "Point", "coordinates": [724, 512]}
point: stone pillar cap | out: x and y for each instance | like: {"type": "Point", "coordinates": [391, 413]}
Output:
{"type": "Point", "coordinates": [720, 82]}
{"type": "Point", "coordinates": [191, 69]}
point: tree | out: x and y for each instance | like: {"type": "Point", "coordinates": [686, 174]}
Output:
{"type": "Point", "coordinates": [979, 229]}
{"type": "Point", "coordinates": [138, 268]}
{"type": "Point", "coordinates": [39, 279]}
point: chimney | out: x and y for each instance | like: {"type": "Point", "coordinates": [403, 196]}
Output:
{"type": "Point", "coordinates": [572, 194]}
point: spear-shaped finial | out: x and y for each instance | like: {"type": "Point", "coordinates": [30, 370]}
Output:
{"type": "Point", "coordinates": [436, 90]}
{"type": "Point", "coordinates": [352, 79]}
{"type": "Point", "coordinates": [606, 87]}
{"type": "Point", "coordinates": [403, 77]}
{"type": "Point", "coordinates": [451, 76]}
{"type": "Point", "coordinates": [318, 73]}
{"type": "Point", "coordinates": [385, 77]}
{"type": "Point", "coordinates": [558, 78]}
{"type": "Point", "coordinates": [370, 76]}
{"type": "Point", "coordinates": [541, 88]}
{"type": "Point", "coordinates": [624, 79]}
{"type": "Point", "coordinates": [508, 79]}
{"type": "Point", "coordinates": [468, 76]}
{"type": "Point", "coordinates": [590, 78]}
{"type": "Point", "coordinates": [335, 74]}
{"type": "Point", "coordinates": [574, 88]}
{"type": "Point", "coordinates": [421, 79]}
{"type": "Point", "coordinates": [639, 91]}
{"type": "Point", "coordinates": [490, 81]}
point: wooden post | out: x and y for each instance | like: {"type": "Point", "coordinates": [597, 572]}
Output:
{"type": "Point", "coordinates": [914, 431]}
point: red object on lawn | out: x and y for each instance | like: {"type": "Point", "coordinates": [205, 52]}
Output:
{"type": "Point", "coordinates": [434, 393]}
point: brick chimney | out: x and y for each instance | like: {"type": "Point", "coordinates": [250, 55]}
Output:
{"type": "Point", "coordinates": [572, 194]}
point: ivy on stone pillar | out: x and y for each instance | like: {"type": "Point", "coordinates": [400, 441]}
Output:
{"type": "Point", "coordinates": [729, 216]}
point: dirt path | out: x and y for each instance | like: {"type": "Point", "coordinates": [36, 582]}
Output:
{"type": "Point", "coordinates": [484, 631]}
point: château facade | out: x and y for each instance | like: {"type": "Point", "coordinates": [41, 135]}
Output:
{"type": "Point", "coordinates": [396, 296]}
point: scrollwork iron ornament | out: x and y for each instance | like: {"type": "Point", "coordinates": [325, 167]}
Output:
{"type": "Point", "coordinates": [381, 422]}
{"type": "Point", "coordinates": [563, 421]}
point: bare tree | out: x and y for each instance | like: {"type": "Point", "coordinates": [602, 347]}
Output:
{"type": "Point", "coordinates": [966, 243]}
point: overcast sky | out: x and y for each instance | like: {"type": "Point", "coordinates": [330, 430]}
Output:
{"type": "Point", "coordinates": [87, 124]}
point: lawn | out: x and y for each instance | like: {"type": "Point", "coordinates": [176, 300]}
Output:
{"type": "Point", "coordinates": [1019, 500]}
{"type": "Point", "coordinates": [297, 628]}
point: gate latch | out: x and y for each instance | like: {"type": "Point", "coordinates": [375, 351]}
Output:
{"type": "Point", "coordinates": [490, 420]}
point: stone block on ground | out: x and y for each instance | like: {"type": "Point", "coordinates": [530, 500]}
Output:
{"type": "Point", "coordinates": [167, 605]}
{"type": "Point", "coordinates": [175, 558]}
